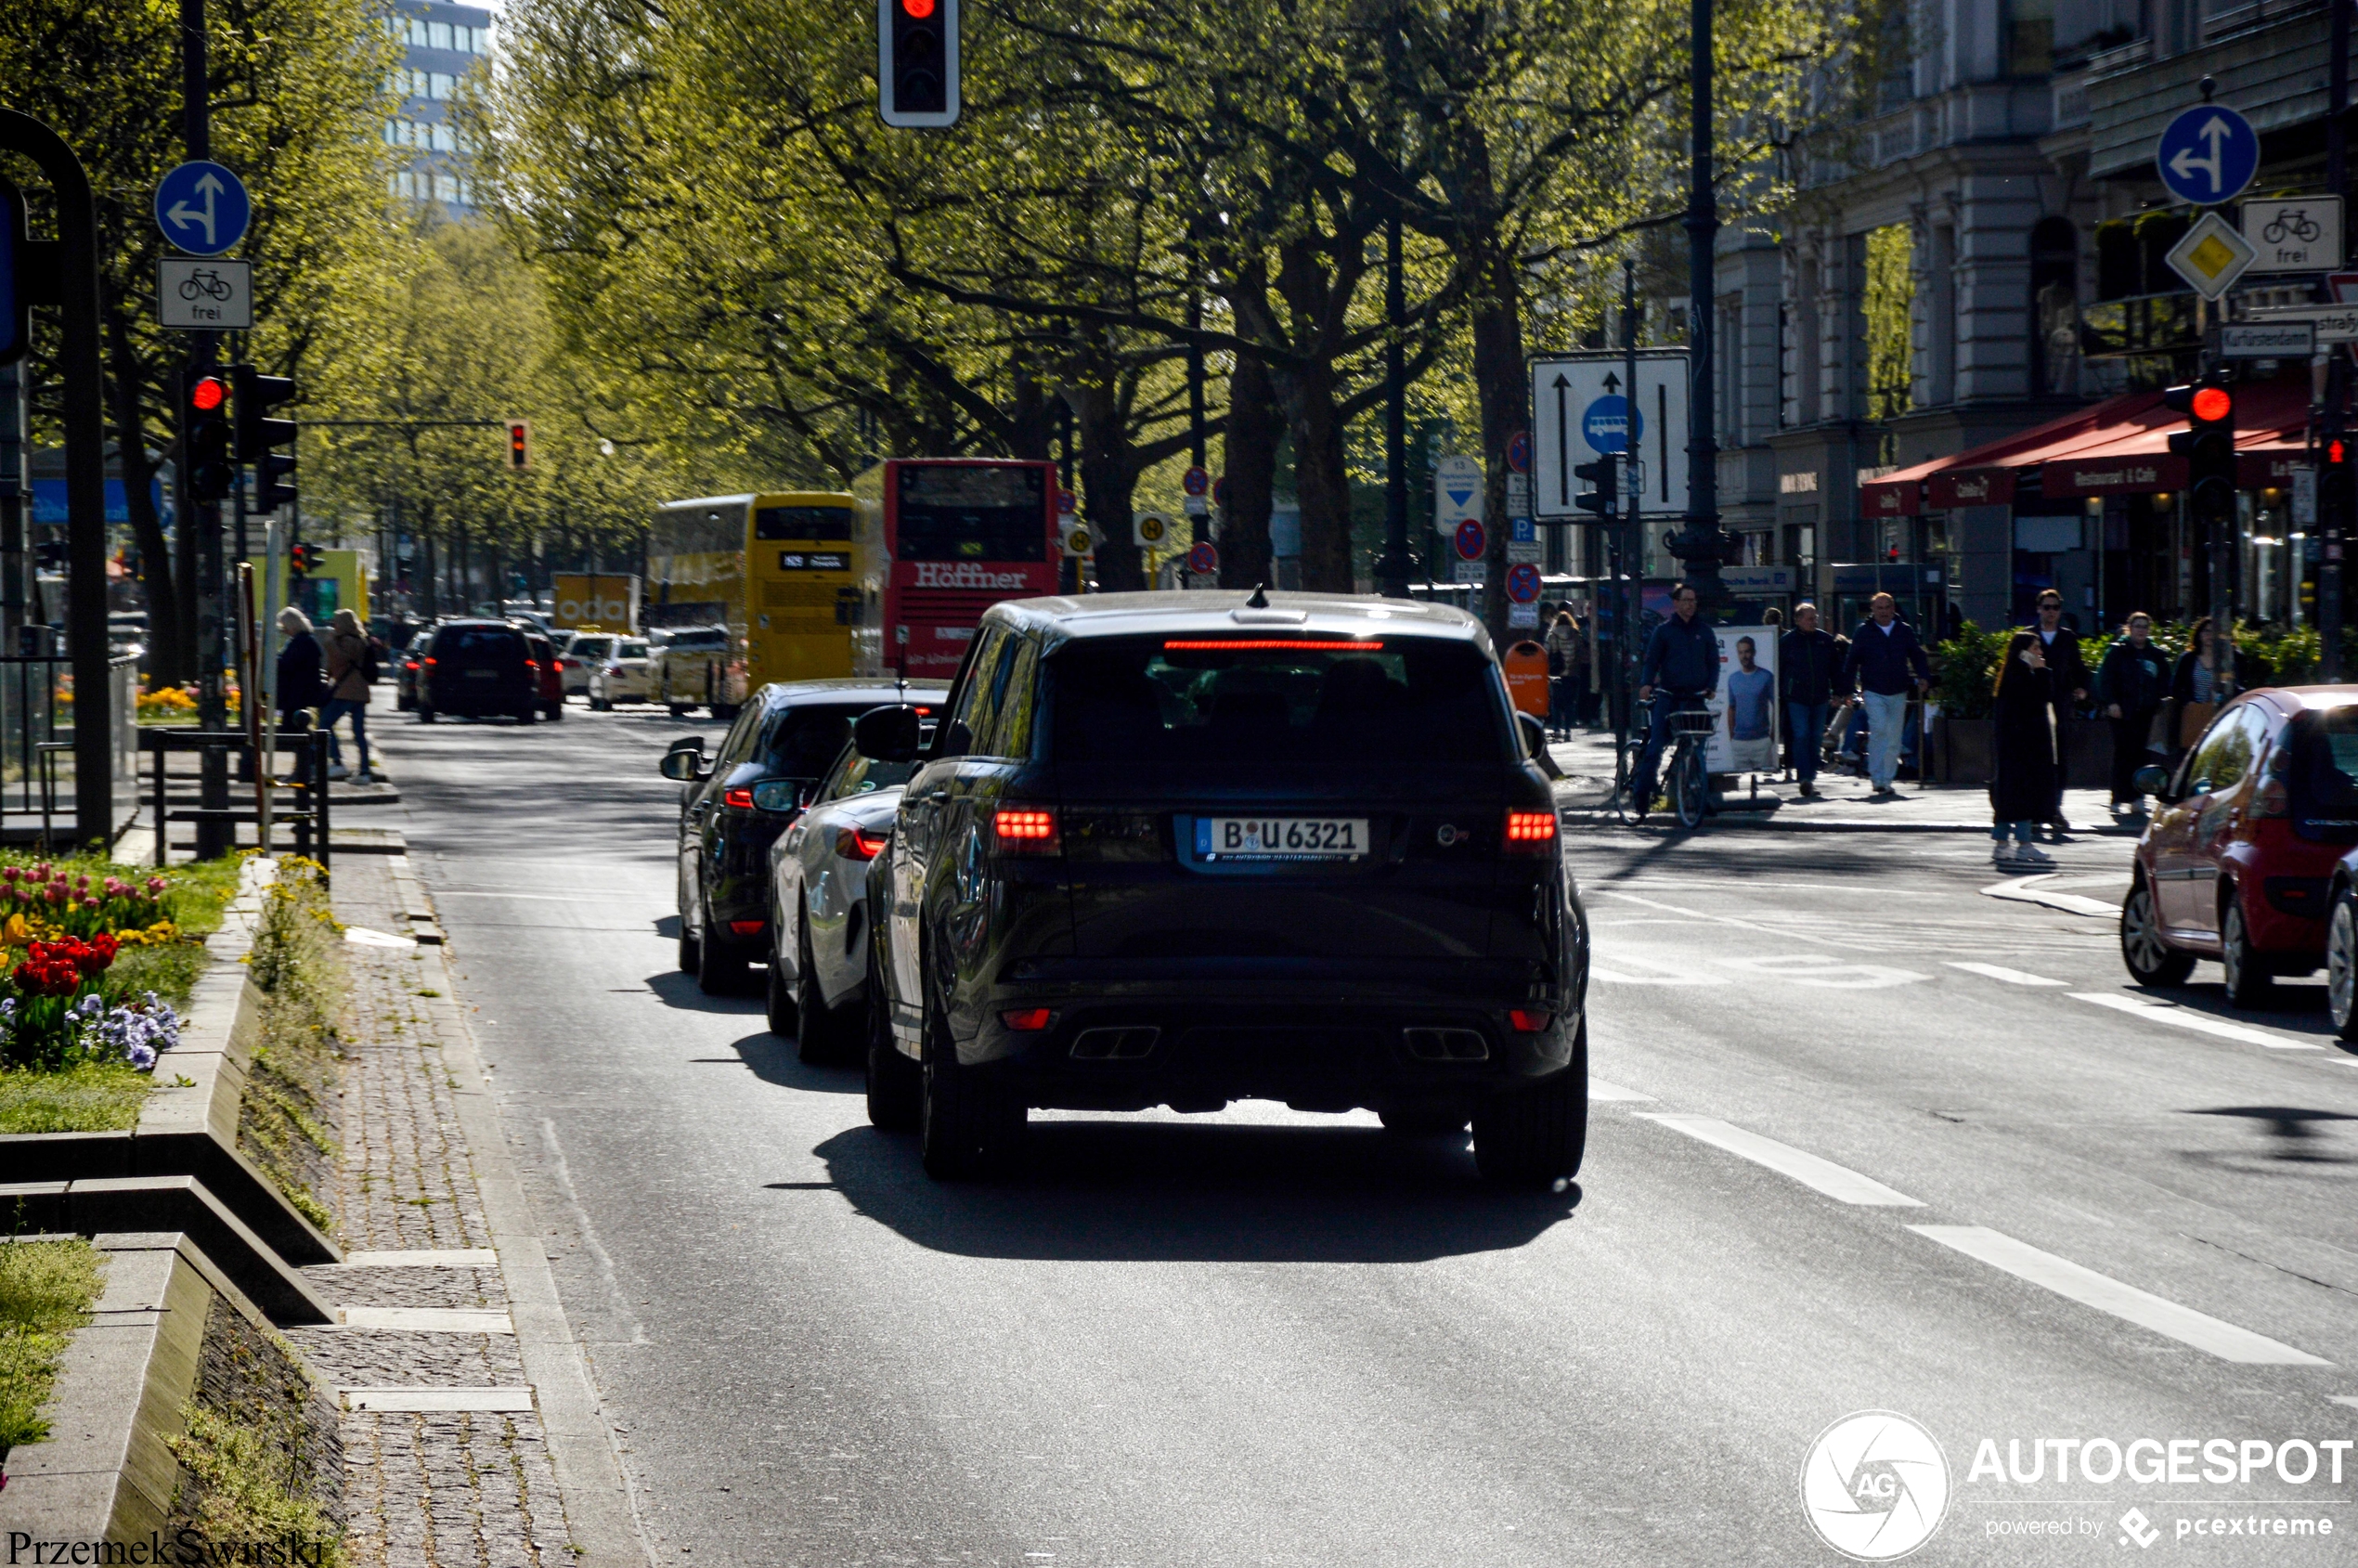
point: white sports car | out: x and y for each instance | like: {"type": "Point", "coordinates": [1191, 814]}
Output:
{"type": "Point", "coordinates": [819, 928]}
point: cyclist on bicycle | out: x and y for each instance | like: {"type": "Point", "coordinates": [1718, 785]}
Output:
{"type": "Point", "coordinates": [1682, 657]}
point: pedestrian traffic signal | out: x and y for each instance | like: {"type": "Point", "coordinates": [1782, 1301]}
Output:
{"type": "Point", "coordinates": [258, 434]}
{"type": "Point", "coordinates": [204, 434]}
{"type": "Point", "coordinates": [1604, 479]}
{"type": "Point", "coordinates": [2209, 446]}
{"type": "Point", "coordinates": [917, 62]}
{"type": "Point", "coordinates": [304, 559]}
{"type": "Point", "coordinates": [518, 445]}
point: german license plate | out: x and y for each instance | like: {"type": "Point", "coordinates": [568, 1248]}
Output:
{"type": "Point", "coordinates": [1282, 839]}
{"type": "Point", "coordinates": [483, 675]}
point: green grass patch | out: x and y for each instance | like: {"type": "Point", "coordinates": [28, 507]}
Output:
{"type": "Point", "coordinates": [88, 1097]}
{"type": "Point", "coordinates": [298, 964]}
{"type": "Point", "coordinates": [256, 1450]}
{"type": "Point", "coordinates": [46, 1291]}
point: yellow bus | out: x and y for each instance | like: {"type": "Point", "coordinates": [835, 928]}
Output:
{"type": "Point", "coordinates": [742, 591]}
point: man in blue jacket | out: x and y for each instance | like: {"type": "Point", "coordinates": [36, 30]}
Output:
{"type": "Point", "coordinates": [1888, 664]}
{"type": "Point", "coordinates": [1682, 657]}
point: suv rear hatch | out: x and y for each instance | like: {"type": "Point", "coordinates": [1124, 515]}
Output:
{"type": "Point", "coordinates": [479, 663]}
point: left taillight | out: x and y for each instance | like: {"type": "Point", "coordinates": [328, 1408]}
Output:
{"type": "Point", "coordinates": [741, 798]}
{"type": "Point", "coordinates": [1530, 833]}
{"type": "Point", "coordinates": [1026, 830]}
{"type": "Point", "coordinates": [859, 844]}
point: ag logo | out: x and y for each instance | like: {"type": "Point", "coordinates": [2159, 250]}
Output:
{"type": "Point", "coordinates": [1875, 1485]}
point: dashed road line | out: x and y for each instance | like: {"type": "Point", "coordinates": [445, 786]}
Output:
{"type": "Point", "coordinates": [2106, 1294]}
{"type": "Point", "coordinates": [2000, 972]}
{"type": "Point", "coordinates": [1601, 1090]}
{"type": "Point", "coordinates": [1837, 1181]}
{"type": "Point", "coordinates": [2187, 1017]}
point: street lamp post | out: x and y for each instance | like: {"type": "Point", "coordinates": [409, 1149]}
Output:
{"type": "Point", "coordinates": [1394, 565]}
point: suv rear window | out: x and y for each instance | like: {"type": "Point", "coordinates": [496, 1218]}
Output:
{"type": "Point", "coordinates": [806, 738]}
{"type": "Point", "coordinates": [1180, 703]}
{"type": "Point", "coordinates": [478, 642]}
{"type": "Point", "coordinates": [2324, 774]}
{"type": "Point", "coordinates": [699, 640]}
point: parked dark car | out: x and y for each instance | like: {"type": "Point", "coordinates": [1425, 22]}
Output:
{"type": "Point", "coordinates": [2247, 848]}
{"type": "Point", "coordinates": [1184, 849]}
{"type": "Point", "coordinates": [788, 731]}
{"type": "Point", "coordinates": [548, 674]}
{"type": "Point", "coordinates": [409, 667]}
{"type": "Point", "coordinates": [478, 668]}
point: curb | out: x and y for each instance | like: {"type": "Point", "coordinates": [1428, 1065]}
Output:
{"type": "Point", "coordinates": [105, 1472]}
{"type": "Point", "coordinates": [1770, 821]}
{"type": "Point", "coordinates": [100, 1205]}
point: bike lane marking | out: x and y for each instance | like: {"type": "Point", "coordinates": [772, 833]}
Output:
{"type": "Point", "coordinates": [2000, 972]}
{"type": "Point", "coordinates": [1819, 1174]}
{"type": "Point", "coordinates": [2187, 1017]}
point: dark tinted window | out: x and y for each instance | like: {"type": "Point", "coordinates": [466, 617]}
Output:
{"type": "Point", "coordinates": [1167, 704]}
{"type": "Point", "coordinates": [802, 523]}
{"type": "Point", "coordinates": [960, 514]}
{"type": "Point", "coordinates": [702, 640]}
{"type": "Point", "coordinates": [856, 775]}
{"type": "Point", "coordinates": [2324, 775]}
{"type": "Point", "coordinates": [808, 736]}
{"type": "Point", "coordinates": [480, 643]}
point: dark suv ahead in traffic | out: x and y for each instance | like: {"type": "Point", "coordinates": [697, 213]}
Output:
{"type": "Point", "coordinates": [1181, 849]}
{"type": "Point", "coordinates": [478, 668]}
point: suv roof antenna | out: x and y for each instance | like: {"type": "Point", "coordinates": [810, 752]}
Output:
{"type": "Point", "coordinates": [1260, 600]}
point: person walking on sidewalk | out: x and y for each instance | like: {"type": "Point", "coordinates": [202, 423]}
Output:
{"type": "Point", "coordinates": [2131, 683]}
{"type": "Point", "coordinates": [1682, 657]}
{"type": "Point", "coordinates": [1887, 666]}
{"type": "Point", "coordinates": [349, 667]}
{"type": "Point", "coordinates": [1567, 672]}
{"type": "Point", "coordinates": [2193, 696]}
{"type": "Point", "coordinates": [1809, 670]}
{"type": "Point", "coordinates": [300, 688]}
{"type": "Point", "coordinates": [2028, 761]}
{"type": "Point", "coordinates": [2066, 688]}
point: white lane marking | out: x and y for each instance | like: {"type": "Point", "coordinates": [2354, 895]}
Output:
{"type": "Point", "coordinates": [2105, 1293]}
{"type": "Point", "coordinates": [1662, 972]}
{"type": "Point", "coordinates": [508, 1401]}
{"type": "Point", "coordinates": [425, 1257]}
{"type": "Point", "coordinates": [363, 936]}
{"type": "Point", "coordinates": [2000, 972]}
{"type": "Point", "coordinates": [2350, 1399]}
{"type": "Point", "coordinates": [431, 1320]}
{"type": "Point", "coordinates": [2034, 890]}
{"type": "Point", "coordinates": [1826, 972]}
{"type": "Point", "coordinates": [2187, 1017]}
{"type": "Point", "coordinates": [1700, 914]}
{"type": "Point", "coordinates": [1601, 1090]}
{"type": "Point", "coordinates": [1837, 1181]}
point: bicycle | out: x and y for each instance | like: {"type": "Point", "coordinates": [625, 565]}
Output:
{"type": "Point", "coordinates": [209, 284]}
{"type": "Point", "coordinates": [2297, 224]}
{"type": "Point", "coordinates": [1685, 776]}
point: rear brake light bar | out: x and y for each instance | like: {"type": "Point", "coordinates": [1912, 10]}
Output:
{"type": "Point", "coordinates": [1256, 644]}
{"type": "Point", "coordinates": [859, 844]}
{"type": "Point", "coordinates": [741, 798]}
{"type": "Point", "coordinates": [1026, 830]}
{"type": "Point", "coordinates": [1530, 833]}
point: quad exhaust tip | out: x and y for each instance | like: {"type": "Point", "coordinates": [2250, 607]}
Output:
{"type": "Point", "coordinates": [1447, 1044]}
{"type": "Point", "coordinates": [1114, 1044]}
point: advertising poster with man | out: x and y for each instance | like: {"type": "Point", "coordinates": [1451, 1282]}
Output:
{"type": "Point", "coordinates": [1744, 738]}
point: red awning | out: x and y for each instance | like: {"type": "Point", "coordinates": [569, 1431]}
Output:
{"type": "Point", "coordinates": [2117, 446]}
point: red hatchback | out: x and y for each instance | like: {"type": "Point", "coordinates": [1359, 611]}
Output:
{"type": "Point", "coordinates": [2247, 835]}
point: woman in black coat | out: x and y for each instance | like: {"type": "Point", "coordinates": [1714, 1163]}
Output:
{"type": "Point", "coordinates": [2190, 686]}
{"type": "Point", "coordinates": [2022, 784]}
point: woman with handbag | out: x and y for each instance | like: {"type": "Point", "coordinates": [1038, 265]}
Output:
{"type": "Point", "coordinates": [2193, 695]}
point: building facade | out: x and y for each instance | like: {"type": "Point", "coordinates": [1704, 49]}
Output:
{"type": "Point", "coordinates": [440, 45]}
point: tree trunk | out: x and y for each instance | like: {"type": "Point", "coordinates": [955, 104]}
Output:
{"type": "Point", "coordinates": [1498, 384]}
{"type": "Point", "coordinates": [1253, 423]}
{"type": "Point", "coordinates": [1106, 479]}
{"type": "Point", "coordinates": [426, 584]}
{"type": "Point", "coordinates": [1320, 484]}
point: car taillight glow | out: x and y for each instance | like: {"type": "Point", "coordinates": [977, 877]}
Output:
{"type": "Point", "coordinates": [1026, 830]}
{"type": "Point", "coordinates": [1525, 1021]}
{"type": "Point", "coordinates": [747, 927]}
{"type": "Point", "coordinates": [859, 844]}
{"type": "Point", "coordinates": [1529, 833]}
{"type": "Point", "coordinates": [741, 798]}
{"type": "Point", "coordinates": [409, 664]}
{"type": "Point", "coordinates": [1028, 1020]}
{"type": "Point", "coordinates": [429, 662]}
{"type": "Point", "coordinates": [613, 669]}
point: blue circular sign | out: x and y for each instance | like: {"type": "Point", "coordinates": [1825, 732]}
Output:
{"type": "Point", "coordinates": [2208, 155]}
{"type": "Point", "coordinates": [202, 208]}
{"type": "Point", "coordinates": [1522, 582]}
{"type": "Point", "coordinates": [1472, 539]}
{"type": "Point", "coordinates": [1604, 425]}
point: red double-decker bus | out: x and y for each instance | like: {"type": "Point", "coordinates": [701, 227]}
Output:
{"type": "Point", "coordinates": [960, 535]}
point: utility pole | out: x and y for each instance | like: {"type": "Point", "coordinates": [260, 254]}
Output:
{"type": "Point", "coordinates": [1392, 566]}
{"type": "Point", "coordinates": [1699, 543]}
{"type": "Point", "coordinates": [201, 520]}
{"type": "Point", "coordinates": [2333, 504]}
{"type": "Point", "coordinates": [1632, 552]}
{"type": "Point", "coordinates": [1199, 521]}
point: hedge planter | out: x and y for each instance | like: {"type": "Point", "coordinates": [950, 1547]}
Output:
{"type": "Point", "coordinates": [1964, 751]}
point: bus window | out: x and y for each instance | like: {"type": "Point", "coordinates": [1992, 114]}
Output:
{"type": "Point", "coordinates": [802, 523]}
{"type": "Point", "coordinates": [960, 513]}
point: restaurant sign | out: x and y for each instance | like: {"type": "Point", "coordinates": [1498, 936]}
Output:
{"type": "Point", "coordinates": [2134, 476]}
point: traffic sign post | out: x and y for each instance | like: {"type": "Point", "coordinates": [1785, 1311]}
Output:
{"type": "Point", "coordinates": [2208, 155]}
{"type": "Point", "coordinates": [2211, 257]}
{"type": "Point", "coordinates": [1522, 583]}
{"type": "Point", "coordinates": [1204, 559]}
{"type": "Point", "coordinates": [1582, 409]}
{"type": "Point", "coordinates": [197, 295]}
{"type": "Point", "coordinates": [202, 208]}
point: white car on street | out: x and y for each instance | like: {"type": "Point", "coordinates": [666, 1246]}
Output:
{"type": "Point", "coordinates": [621, 675]}
{"type": "Point", "coordinates": [818, 889]}
{"type": "Point", "coordinates": [582, 655]}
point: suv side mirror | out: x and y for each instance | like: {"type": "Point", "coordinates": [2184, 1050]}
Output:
{"type": "Point", "coordinates": [780, 795]}
{"type": "Point", "coordinates": [683, 763]}
{"type": "Point", "coordinates": [886, 734]}
{"type": "Point", "coordinates": [2153, 780]}
{"type": "Point", "coordinates": [1535, 741]}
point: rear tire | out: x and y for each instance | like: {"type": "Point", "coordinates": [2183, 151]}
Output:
{"type": "Point", "coordinates": [719, 971]}
{"type": "Point", "coordinates": [691, 955]}
{"type": "Point", "coordinates": [553, 712]}
{"type": "Point", "coordinates": [896, 1084]}
{"type": "Point", "coordinates": [969, 1122]}
{"type": "Point", "coordinates": [2151, 960]}
{"type": "Point", "coordinates": [2249, 982]}
{"type": "Point", "coordinates": [426, 714]}
{"type": "Point", "coordinates": [780, 1007]}
{"type": "Point", "coordinates": [680, 710]}
{"type": "Point", "coordinates": [2342, 964]}
{"type": "Point", "coordinates": [1536, 1137]}
{"type": "Point", "coordinates": [827, 1035]}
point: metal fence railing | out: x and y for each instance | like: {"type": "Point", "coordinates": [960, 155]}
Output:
{"type": "Point", "coordinates": [37, 736]}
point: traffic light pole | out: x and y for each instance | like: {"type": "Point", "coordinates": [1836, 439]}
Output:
{"type": "Point", "coordinates": [1392, 567]}
{"type": "Point", "coordinates": [2332, 513]}
{"type": "Point", "coordinates": [200, 518]}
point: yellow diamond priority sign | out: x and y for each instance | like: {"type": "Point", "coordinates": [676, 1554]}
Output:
{"type": "Point", "coordinates": [2211, 256]}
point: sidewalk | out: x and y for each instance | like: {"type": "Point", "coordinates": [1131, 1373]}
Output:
{"type": "Point", "coordinates": [1774, 802]}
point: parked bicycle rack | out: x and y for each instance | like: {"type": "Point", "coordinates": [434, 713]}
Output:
{"type": "Point", "coordinates": [308, 817]}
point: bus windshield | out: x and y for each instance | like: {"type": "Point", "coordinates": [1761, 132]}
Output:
{"type": "Point", "coordinates": [955, 513]}
{"type": "Point", "coordinates": [802, 523]}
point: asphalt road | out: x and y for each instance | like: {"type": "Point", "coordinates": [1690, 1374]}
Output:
{"type": "Point", "coordinates": [1867, 1137]}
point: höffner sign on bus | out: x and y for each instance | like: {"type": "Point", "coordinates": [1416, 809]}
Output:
{"type": "Point", "coordinates": [964, 574]}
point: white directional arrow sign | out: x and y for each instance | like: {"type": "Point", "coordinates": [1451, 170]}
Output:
{"type": "Point", "coordinates": [202, 208]}
{"type": "Point", "coordinates": [209, 187]}
{"type": "Point", "coordinates": [1581, 409]}
{"type": "Point", "coordinates": [2206, 155]}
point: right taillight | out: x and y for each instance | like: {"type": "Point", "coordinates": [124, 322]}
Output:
{"type": "Point", "coordinates": [859, 844]}
{"type": "Point", "coordinates": [1026, 830]}
{"type": "Point", "coordinates": [1530, 833]}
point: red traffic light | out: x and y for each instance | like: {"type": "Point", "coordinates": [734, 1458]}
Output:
{"type": "Point", "coordinates": [917, 9]}
{"type": "Point", "coordinates": [208, 393]}
{"type": "Point", "coordinates": [2333, 452]}
{"type": "Point", "coordinates": [2212, 404]}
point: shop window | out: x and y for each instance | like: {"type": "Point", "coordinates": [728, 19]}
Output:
{"type": "Point", "coordinates": [2031, 37]}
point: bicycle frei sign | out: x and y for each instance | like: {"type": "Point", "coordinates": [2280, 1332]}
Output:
{"type": "Point", "coordinates": [197, 295]}
{"type": "Point", "coordinates": [202, 208]}
{"type": "Point", "coordinates": [2297, 234]}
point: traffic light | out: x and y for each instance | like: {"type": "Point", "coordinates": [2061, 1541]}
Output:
{"type": "Point", "coordinates": [2337, 483]}
{"type": "Point", "coordinates": [917, 62]}
{"type": "Point", "coordinates": [518, 445]}
{"type": "Point", "coordinates": [304, 558]}
{"type": "Point", "coordinates": [257, 433]}
{"type": "Point", "coordinates": [204, 433]}
{"type": "Point", "coordinates": [2209, 446]}
{"type": "Point", "coordinates": [1604, 476]}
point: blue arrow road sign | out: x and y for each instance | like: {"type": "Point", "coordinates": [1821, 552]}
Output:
{"type": "Point", "coordinates": [2208, 155]}
{"type": "Point", "coordinates": [1604, 425]}
{"type": "Point", "coordinates": [202, 208]}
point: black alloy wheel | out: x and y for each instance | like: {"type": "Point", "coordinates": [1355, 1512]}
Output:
{"type": "Point", "coordinates": [2342, 964]}
{"type": "Point", "coordinates": [970, 1124]}
{"type": "Point", "coordinates": [719, 972]}
{"type": "Point", "coordinates": [2151, 960]}
{"type": "Point", "coordinates": [1536, 1137]}
{"type": "Point", "coordinates": [896, 1084]}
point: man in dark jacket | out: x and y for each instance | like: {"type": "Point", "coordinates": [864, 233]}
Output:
{"type": "Point", "coordinates": [1682, 657]}
{"type": "Point", "coordinates": [1887, 665]}
{"type": "Point", "coordinates": [2059, 645]}
{"type": "Point", "coordinates": [2131, 683]}
{"type": "Point", "coordinates": [1809, 670]}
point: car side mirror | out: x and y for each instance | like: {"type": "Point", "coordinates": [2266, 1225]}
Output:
{"type": "Point", "coordinates": [781, 795]}
{"type": "Point", "coordinates": [683, 763]}
{"type": "Point", "coordinates": [956, 741]}
{"type": "Point", "coordinates": [1535, 740]}
{"type": "Point", "coordinates": [886, 734]}
{"type": "Point", "coordinates": [2153, 780]}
